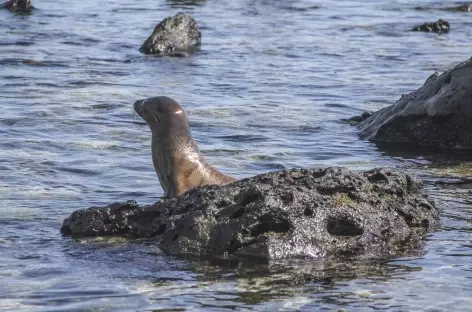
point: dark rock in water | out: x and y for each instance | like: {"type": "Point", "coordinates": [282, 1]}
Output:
{"type": "Point", "coordinates": [357, 119]}
{"type": "Point", "coordinates": [439, 114]}
{"type": "Point", "coordinates": [295, 213]}
{"type": "Point", "coordinates": [466, 7]}
{"type": "Point", "coordinates": [440, 27]}
{"type": "Point", "coordinates": [175, 36]}
{"type": "Point", "coordinates": [186, 3]}
{"type": "Point", "coordinates": [18, 5]}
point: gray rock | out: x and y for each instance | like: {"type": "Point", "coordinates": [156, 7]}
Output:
{"type": "Point", "coordinates": [18, 5]}
{"type": "Point", "coordinates": [440, 27]}
{"type": "Point", "coordinates": [439, 114]}
{"type": "Point", "coordinates": [176, 36]}
{"type": "Point", "coordinates": [312, 213]}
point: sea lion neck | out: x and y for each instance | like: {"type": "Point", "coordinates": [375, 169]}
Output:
{"type": "Point", "coordinates": [177, 145]}
{"type": "Point", "coordinates": [171, 131]}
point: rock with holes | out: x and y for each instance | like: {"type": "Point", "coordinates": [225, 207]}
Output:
{"type": "Point", "coordinates": [174, 36]}
{"type": "Point", "coordinates": [292, 213]}
{"type": "Point", "coordinates": [438, 114]}
{"type": "Point", "coordinates": [18, 5]}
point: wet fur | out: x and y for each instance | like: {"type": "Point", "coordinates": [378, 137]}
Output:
{"type": "Point", "coordinates": [178, 163]}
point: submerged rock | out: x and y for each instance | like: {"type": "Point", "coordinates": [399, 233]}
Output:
{"type": "Point", "coordinates": [279, 215]}
{"type": "Point", "coordinates": [353, 121]}
{"type": "Point", "coordinates": [466, 7]}
{"type": "Point", "coordinates": [439, 114]}
{"type": "Point", "coordinates": [18, 5]}
{"type": "Point", "coordinates": [176, 35]}
{"type": "Point", "coordinates": [186, 3]}
{"type": "Point", "coordinates": [440, 27]}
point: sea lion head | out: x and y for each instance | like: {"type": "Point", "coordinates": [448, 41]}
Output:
{"type": "Point", "coordinates": [163, 115]}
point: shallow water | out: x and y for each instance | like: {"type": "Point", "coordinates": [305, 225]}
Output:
{"type": "Point", "coordinates": [266, 91]}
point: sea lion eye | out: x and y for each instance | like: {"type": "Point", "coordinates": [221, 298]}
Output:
{"type": "Point", "coordinates": [156, 117]}
{"type": "Point", "coordinates": [178, 112]}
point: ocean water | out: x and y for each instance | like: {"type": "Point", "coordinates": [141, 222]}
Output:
{"type": "Point", "coordinates": [266, 91]}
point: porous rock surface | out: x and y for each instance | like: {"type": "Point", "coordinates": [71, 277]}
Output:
{"type": "Point", "coordinates": [292, 213]}
{"type": "Point", "coordinates": [175, 36]}
{"type": "Point", "coordinates": [17, 5]}
{"type": "Point", "coordinates": [439, 114]}
{"type": "Point", "coordinates": [440, 27]}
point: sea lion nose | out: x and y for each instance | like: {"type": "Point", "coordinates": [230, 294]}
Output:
{"type": "Point", "coordinates": [138, 106]}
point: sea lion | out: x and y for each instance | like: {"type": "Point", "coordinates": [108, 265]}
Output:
{"type": "Point", "coordinates": [178, 163]}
